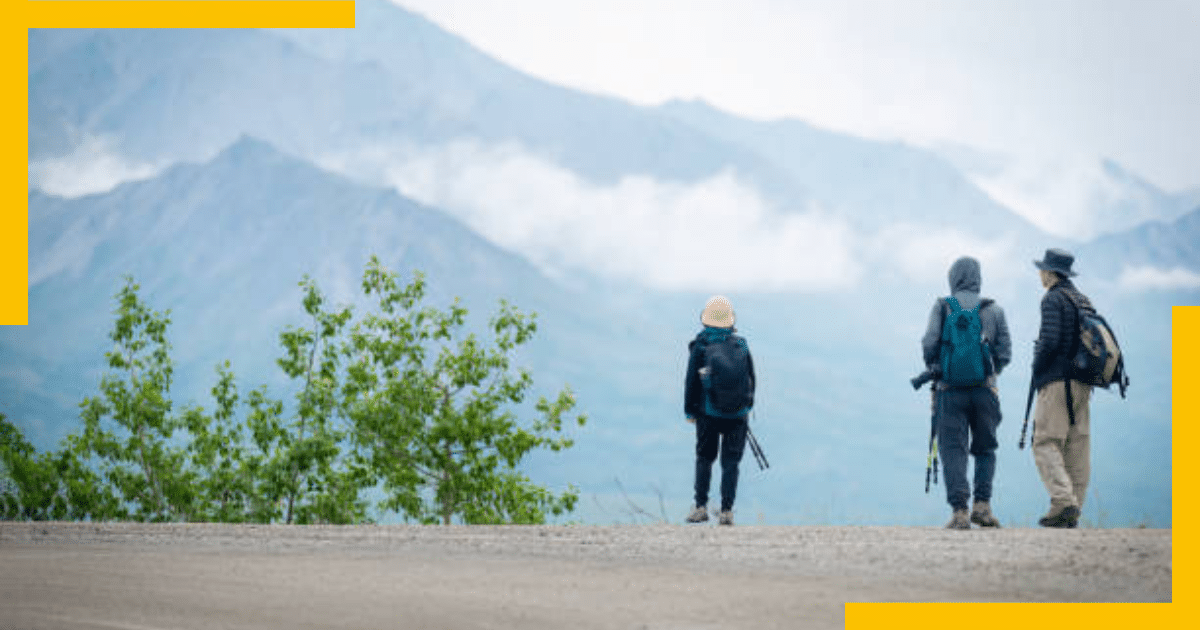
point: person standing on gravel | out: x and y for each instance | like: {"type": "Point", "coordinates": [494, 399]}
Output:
{"type": "Point", "coordinates": [718, 395]}
{"type": "Point", "coordinates": [967, 344]}
{"type": "Point", "coordinates": [1061, 422]}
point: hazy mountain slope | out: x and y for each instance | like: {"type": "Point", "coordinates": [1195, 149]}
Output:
{"type": "Point", "coordinates": [1159, 244]}
{"type": "Point", "coordinates": [1074, 198]}
{"type": "Point", "coordinates": [223, 245]}
{"type": "Point", "coordinates": [183, 94]}
{"type": "Point", "coordinates": [874, 183]}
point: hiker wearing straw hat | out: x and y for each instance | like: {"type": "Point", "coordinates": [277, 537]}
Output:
{"type": "Point", "coordinates": [1061, 420]}
{"type": "Point", "coordinates": [718, 395]}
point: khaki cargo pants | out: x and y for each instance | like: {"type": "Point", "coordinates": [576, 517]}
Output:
{"type": "Point", "coordinates": [1060, 449]}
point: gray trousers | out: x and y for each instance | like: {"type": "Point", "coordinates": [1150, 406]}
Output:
{"type": "Point", "coordinates": [1060, 449]}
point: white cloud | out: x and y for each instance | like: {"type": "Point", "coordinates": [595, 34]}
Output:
{"type": "Point", "coordinates": [715, 233]}
{"type": "Point", "coordinates": [921, 253]}
{"type": "Point", "coordinates": [1146, 278]}
{"type": "Point", "coordinates": [93, 167]}
{"type": "Point", "coordinates": [711, 235]}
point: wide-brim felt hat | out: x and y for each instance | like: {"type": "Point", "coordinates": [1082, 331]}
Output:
{"type": "Point", "coordinates": [1057, 260]}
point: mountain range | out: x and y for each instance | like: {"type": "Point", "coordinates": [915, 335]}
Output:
{"type": "Point", "coordinates": [270, 143]}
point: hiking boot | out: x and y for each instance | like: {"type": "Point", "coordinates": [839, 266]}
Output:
{"type": "Point", "coordinates": [699, 514]}
{"type": "Point", "coordinates": [1067, 518]}
{"type": "Point", "coordinates": [981, 515]}
{"type": "Point", "coordinates": [960, 520]}
{"type": "Point", "coordinates": [725, 518]}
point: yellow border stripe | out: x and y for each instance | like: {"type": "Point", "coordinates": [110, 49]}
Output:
{"type": "Point", "coordinates": [190, 14]}
{"type": "Point", "coordinates": [1020, 615]}
{"type": "Point", "coordinates": [1185, 412]}
{"type": "Point", "coordinates": [14, 213]}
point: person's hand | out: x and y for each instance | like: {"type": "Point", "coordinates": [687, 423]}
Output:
{"type": "Point", "coordinates": [691, 420]}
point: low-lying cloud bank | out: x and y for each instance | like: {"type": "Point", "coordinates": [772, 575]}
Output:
{"type": "Point", "coordinates": [1145, 278]}
{"type": "Point", "coordinates": [708, 235]}
{"type": "Point", "coordinates": [716, 234]}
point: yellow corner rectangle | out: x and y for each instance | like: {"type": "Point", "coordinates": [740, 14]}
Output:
{"type": "Point", "coordinates": [1016, 615]}
{"type": "Point", "coordinates": [190, 14]}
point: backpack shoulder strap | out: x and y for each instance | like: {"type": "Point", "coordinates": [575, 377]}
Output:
{"type": "Point", "coordinates": [1073, 298]}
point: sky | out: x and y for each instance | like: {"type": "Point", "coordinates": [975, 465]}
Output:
{"type": "Point", "coordinates": [1045, 82]}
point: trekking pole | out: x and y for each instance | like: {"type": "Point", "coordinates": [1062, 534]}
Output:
{"type": "Point", "coordinates": [1028, 406]}
{"type": "Point", "coordinates": [757, 450]}
{"type": "Point", "coordinates": [931, 460]}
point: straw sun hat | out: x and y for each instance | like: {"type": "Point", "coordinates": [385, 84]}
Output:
{"type": "Point", "coordinates": [718, 312]}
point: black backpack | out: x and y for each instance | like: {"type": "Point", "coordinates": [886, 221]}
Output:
{"type": "Point", "coordinates": [1098, 360]}
{"type": "Point", "coordinates": [726, 378]}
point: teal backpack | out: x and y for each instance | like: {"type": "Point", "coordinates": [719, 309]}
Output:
{"type": "Point", "coordinates": [966, 357]}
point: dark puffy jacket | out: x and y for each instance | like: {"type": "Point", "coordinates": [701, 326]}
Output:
{"type": "Point", "coordinates": [693, 389]}
{"type": "Point", "coordinates": [1058, 336]}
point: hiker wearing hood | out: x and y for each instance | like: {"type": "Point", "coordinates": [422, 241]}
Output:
{"type": "Point", "coordinates": [967, 407]}
{"type": "Point", "coordinates": [717, 397]}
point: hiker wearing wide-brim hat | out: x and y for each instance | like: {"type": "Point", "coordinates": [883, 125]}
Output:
{"type": "Point", "coordinates": [1058, 261]}
{"type": "Point", "coordinates": [717, 397]}
{"type": "Point", "coordinates": [1062, 420]}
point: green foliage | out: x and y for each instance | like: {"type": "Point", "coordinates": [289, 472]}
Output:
{"type": "Point", "coordinates": [402, 399]}
{"type": "Point", "coordinates": [47, 486]}
{"type": "Point", "coordinates": [128, 428]}
{"type": "Point", "coordinates": [230, 486]}
{"type": "Point", "coordinates": [318, 482]}
{"type": "Point", "coordinates": [431, 410]}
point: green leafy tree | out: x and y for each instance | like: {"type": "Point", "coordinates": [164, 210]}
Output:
{"type": "Point", "coordinates": [318, 481]}
{"type": "Point", "coordinates": [404, 400]}
{"type": "Point", "coordinates": [48, 486]}
{"type": "Point", "coordinates": [127, 429]}
{"type": "Point", "coordinates": [433, 409]}
{"type": "Point", "coordinates": [231, 486]}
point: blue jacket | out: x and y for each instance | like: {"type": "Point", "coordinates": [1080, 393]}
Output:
{"type": "Point", "coordinates": [695, 403]}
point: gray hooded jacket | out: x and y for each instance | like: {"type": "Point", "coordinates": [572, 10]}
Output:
{"type": "Point", "coordinates": [965, 280]}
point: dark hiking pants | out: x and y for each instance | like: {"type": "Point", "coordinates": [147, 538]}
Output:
{"type": "Point", "coordinates": [967, 421]}
{"type": "Point", "coordinates": [727, 435]}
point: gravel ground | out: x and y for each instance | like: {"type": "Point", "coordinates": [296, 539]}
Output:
{"type": "Point", "coordinates": [142, 576]}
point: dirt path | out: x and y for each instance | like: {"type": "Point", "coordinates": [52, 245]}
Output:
{"type": "Point", "coordinates": [142, 577]}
